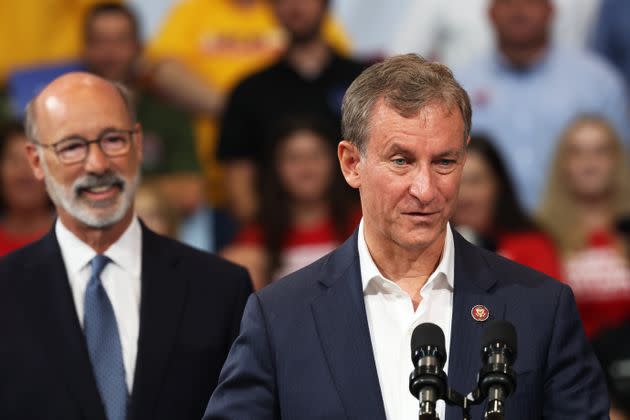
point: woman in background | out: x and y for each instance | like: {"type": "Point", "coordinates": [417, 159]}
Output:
{"type": "Point", "coordinates": [25, 210]}
{"type": "Point", "coordinates": [306, 208]}
{"type": "Point", "coordinates": [489, 214]}
{"type": "Point", "coordinates": [587, 198]}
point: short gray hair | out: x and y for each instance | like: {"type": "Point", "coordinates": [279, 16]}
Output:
{"type": "Point", "coordinates": [407, 83]}
{"type": "Point", "coordinates": [30, 117]}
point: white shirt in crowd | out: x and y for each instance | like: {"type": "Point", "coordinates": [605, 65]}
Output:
{"type": "Point", "coordinates": [120, 278]}
{"type": "Point", "coordinates": [392, 319]}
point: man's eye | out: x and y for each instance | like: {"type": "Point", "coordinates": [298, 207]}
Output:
{"type": "Point", "coordinates": [446, 162]}
{"type": "Point", "coordinates": [399, 161]}
{"type": "Point", "coordinates": [70, 147]}
{"type": "Point", "coordinates": [114, 139]}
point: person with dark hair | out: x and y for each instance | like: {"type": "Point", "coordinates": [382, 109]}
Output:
{"type": "Point", "coordinates": [26, 213]}
{"type": "Point", "coordinates": [310, 77]}
{"type": "Point", "coordinates": [489, 214]}
{"type": "Point", "coordinates": [306, 208]}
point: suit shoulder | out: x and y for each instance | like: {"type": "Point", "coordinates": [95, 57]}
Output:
{"type": "Point", "coordinates": [197, 261]}
{"type": "Point", "coordinates": [299, 286]}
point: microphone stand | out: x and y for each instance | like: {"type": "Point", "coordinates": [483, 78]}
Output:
{"type": "Point", "coordinates": [458, 400]}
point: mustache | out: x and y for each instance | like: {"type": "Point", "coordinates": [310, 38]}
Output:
{"type": "Point", "coordinates": [106, 179]}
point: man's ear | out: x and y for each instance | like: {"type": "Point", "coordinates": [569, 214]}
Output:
{"type": "Point", "coordinates": [350, 162]}
{"type": "Point", "coordinates": [34, 159]}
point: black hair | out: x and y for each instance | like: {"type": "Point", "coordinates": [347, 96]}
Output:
{"type": "Point", "coordinates": [106, 8]}
{"type": "Point", "coordinates": [274, 216]}
{"type": "Point", "coordinates": [508, 215]}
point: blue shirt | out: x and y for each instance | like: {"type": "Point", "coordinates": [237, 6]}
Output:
{"type": "Point", "coordinates": [612, 35]}
{"type": "Point", "coordinates": [524, 111]}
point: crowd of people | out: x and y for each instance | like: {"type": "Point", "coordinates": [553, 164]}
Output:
{"type": "Point", "coordinates": [240, 106]}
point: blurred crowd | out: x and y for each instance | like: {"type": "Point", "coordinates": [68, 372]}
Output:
{"type": "Point", "coordinates": [239, 101]}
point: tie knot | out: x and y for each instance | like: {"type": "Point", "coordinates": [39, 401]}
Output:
{"type": "Point", "coordinates": [98, 263]}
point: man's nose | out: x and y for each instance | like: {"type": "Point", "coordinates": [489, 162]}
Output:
{"type": "Point", "coordinates": [96, 161]}
{"type": "Point", "coordinates": [423, 185]}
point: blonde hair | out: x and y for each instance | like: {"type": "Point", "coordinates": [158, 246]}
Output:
{"type": "Point", "coordinates": [557, 212]}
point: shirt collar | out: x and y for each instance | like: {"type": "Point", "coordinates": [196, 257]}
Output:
{"type": "Point", "coordinates": [445, 269]}
{"type": "Point", "coordinates": [124, 252]}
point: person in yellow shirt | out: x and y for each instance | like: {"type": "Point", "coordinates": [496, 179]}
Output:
{"type": "Point", "coordinates": [36, 32]}
{"type": "Point", "coordinates": [221, 41]}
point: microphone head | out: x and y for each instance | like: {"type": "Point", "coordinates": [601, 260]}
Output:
{"type": "Point", "coordinates": [500, 331]}
{"type": "Point", "coordinates": [428, 335]}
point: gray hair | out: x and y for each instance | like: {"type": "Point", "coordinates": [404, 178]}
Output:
{"type": "Point", "coordinates": [407, 83]}
{"type": "Point", "coordinates": [30, 117]}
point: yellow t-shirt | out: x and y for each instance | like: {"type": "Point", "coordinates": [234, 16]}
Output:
{"type": "Point", "coordinates": [224, 42]}
{"type": "Point", "coordinates": [36, 31]}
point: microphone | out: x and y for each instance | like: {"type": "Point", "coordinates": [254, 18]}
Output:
{"type": "Point", "coordinates": [427, 381]}
{"type": "Point", "coordinates": [496, 378]}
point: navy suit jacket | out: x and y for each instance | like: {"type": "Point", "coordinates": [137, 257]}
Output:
{"type": "Point", "coordinates": [190, 311]}
{"type": "Point", "coordinates": [304, 351]}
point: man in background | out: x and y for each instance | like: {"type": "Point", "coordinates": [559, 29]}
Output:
{"type": "Point", "coordinates": [527, 91]}
{"type": "Point", "coordinates": [309, 79]}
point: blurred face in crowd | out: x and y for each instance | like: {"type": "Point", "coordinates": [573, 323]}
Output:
{"type": "Point", "coordinates": [521, 23]}
{"type": "Point", "coordinates": [20, 190]}
{"type": "Point", "coordinates": [589, 162]}
{"type": "Point", "coordinates": [305, 166]}
{"type": "Point", "coordinates": [477, 195]}
{"type": "Point", "coordinates": [111, 46]}
{"type": "Point", "coordinates": [301, 18]}
{"type": "Point", "coordinates": [153, 210]}
{"type": "Point", "coordinates": [98, 191]}
{"type": "Point", "coordinates": [408, 176]}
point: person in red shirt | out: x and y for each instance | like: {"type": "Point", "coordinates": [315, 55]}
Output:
{"type": "Point", "coordinates": [489, 214]}
{"type": "Point", "coordinates": [587, 196]}
{"type": "Point", "coordinates": [306, 210]}
{"type": "Point", "coordinates": [25, 210]}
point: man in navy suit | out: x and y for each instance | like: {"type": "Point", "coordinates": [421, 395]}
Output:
{"type": "Point", "coordinates": [331, 341]}
{"type": "Point", "coordinates": [102, 318]}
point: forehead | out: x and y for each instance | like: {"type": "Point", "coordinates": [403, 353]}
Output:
{"type": "Point", "coordinates": [83, 110]}
{"type": "Point", "coordinates": [434, 127]}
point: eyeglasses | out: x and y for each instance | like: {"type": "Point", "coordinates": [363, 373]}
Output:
{"type": "Point", "coordinates": [71, 150]}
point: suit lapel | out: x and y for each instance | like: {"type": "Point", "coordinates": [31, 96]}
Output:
{"type": "Point", "coordinates": [473, 286]}
{"type": "Point", "coordinates": [162, 301]}
{"type": "Point", "coordinates": [47, 294]}
{"type": "Point", "coordinates": [341, 323]}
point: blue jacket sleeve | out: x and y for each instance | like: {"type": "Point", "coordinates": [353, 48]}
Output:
{"type": "Point", "coordinates": [574, 385]}
{"type": "Point", "coordinates": [247, 386]}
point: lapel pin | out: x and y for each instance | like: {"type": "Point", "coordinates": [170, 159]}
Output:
{"type": "Point", "coordinates": [480, 313]}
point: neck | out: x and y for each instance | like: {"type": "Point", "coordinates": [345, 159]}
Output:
{"type": "Point", "coordinates": [309, 58]}
{"type": "Point", "coordinates": [410, 268]}
{"type": "Point", "coordinates": [309, 213]}
{"type": "Point", "coordinates": [27, 221]}
{"type": "Point", "coordinates": [595, 214]}
{"type": "Point", "coordinates": [523, 57]}
{"type": "Point", "coordinates": [99, 239]}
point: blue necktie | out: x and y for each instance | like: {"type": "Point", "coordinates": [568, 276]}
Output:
{"type": "Point", "coordinates": [103, 343]}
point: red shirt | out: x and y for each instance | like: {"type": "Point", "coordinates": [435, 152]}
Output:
{"type": "Point", "coordinates": [9, 242]}
{"type": "Point", "coordinates": [533, 249]}
{"type": "Point", "coordinates": [600, 278]}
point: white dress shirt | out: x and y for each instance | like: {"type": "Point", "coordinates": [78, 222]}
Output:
{"type": "Point", "coordinates": [120, 278]}
{"type": "Point", "coordinates": [392, 319]}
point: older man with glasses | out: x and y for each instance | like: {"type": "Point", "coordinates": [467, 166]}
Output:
{"type": "Point", "coordinates": [102, 318]}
